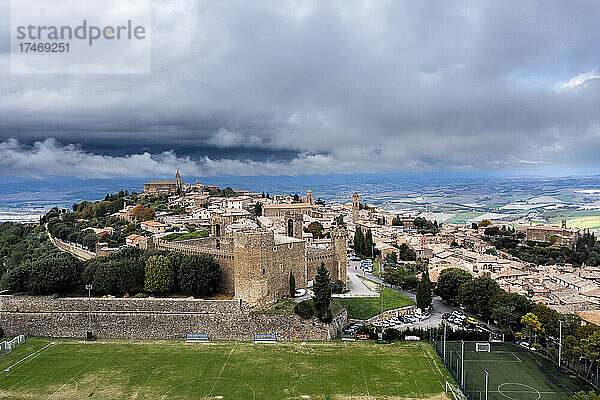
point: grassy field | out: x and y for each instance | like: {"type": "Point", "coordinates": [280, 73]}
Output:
{"type": "Point", "coordinates": [514, 373]}
{"type": "Point", "coordinates": [367, 307]}
{"type": "Point", "coordinates": [68, 369]}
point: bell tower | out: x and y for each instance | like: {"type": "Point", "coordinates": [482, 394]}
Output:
{"type": "Point", "coordinates": [355, 206]}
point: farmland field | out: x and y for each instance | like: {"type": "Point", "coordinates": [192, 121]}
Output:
{"type": "Point", "coordinates": [121, 369]}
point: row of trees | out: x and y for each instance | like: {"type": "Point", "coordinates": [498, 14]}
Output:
{"type": "Point", "coordinates": [129, 271]}
{"type": "Point", "coordinates": [64, 227]}
{"type": "Point", "coordinates": [363, 243]}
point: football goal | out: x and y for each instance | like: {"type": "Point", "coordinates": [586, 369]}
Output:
{"type": "Point", "coordinates": [7, 346]}
{"type": "Point", "coordinates": [483, 347]}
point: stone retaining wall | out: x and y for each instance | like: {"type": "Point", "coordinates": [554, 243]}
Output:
{"type": "Point", "coordinates": [393, 313]}
{"type": "Point", "coordinates": [154, 319]}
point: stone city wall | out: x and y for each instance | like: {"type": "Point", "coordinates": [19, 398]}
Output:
{"type": "Point", "coordinates": [76, 251]}
{"type": "Point", "coordinates": [152, 318]}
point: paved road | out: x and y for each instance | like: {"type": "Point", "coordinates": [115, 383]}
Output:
{"type": "Point", "coordinates": [357, 287]}
{"type": "Point", "coordinates": [439, 307]}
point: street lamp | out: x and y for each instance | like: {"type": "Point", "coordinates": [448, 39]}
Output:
{"type": "Point", "coordinates": [89, 331]}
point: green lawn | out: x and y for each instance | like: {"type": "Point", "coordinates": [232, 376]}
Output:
{"type": "Point", "coordinates": [367, 307]}
{"type": "Point", "coordinates": [376, 268]}
{"type": "Point", "coordinates": [62, 369]}
{"type": "Point", "coordinates": [175, 237]}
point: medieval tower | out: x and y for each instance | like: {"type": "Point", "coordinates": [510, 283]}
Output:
{"type": "Point", "coordinates": [355, 206]}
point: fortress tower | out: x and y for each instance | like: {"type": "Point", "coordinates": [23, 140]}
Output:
{"type": "Point", "coordinates": [293, 224]}
{"type": "Point", "coordinates": [339, 240]}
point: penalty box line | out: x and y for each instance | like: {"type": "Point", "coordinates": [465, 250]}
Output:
{"type": "Point", "coordinates": [29, 356]}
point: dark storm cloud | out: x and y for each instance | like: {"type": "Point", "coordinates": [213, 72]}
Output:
{"type": "Point", "coordinates": [316, 87]}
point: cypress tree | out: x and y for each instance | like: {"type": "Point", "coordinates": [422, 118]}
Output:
{"type": "Point", "coordinates": [322, 291]}
{"type": "Point", "coordinates": [424, 295]}
{"type": "Point", "coordinates": [368, 246]}
{"type": "Point", "coordinates": [292, 285]}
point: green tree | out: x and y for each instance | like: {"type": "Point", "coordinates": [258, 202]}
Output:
{"type": "Point", "coordinates": [548, 318]}
{"type": "Point", "coordinates": [292, 285]}
{"type": "Point", "coordinates": [477, 295]}
{"type": "Point", "coordinates": [159, 274]}
{"type": "Point", "coordinates": [322, 292]}
{"type": "Point", "coordinates": [585, 396]}
{"type": "Point", "coordinates": [359, 241]}
{"type": "Point", "coordinates": [509, 308]}
{"type": "Point", "coordinates": [368, 249]}
{"type": "Point", "coordinates": [406, 253]}
{"type": "Point", "coordinates": [199, 275]}
{"type": "Point", "coordinates": [316, 228]}
{"type": "Point", "coordinates": [531, 327]}
{"type": "Point", "coordinates": [58, 273]}
{"type": "Point", "coordinates": [449, 281]}
{"type": "Point", "coordinates": [424, 292]}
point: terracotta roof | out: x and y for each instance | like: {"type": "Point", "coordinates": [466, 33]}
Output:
{"type": "Point", "coordinates": [590, 316]}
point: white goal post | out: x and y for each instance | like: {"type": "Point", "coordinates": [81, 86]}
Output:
{"type": "Point", "coordinates": [7, 346]}
{"type": "Point", "coordinates": [483, 347]}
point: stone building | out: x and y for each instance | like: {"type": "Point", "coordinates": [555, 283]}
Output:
{"type": "Point", "coordinates": [256, 263]}
{"type": "Point", "coordinates": [156, 187]}
{"type": "Point", "coordinates": [558, 236]}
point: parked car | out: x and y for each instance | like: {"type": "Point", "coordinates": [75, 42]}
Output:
{"type": "Point", "coordinates": [445, 315]}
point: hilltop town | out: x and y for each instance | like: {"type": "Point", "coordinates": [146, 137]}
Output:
{"type": "Point", "coordinates": [259, 239]}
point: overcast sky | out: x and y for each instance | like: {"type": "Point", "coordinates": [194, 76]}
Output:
{"type": "Point", "coordinates": [301, 87]}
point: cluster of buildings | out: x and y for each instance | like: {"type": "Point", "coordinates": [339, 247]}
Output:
{"type": "Point", "coordinates": [260, 241]}
{"type": "Point", "coordinates": [561, 287]}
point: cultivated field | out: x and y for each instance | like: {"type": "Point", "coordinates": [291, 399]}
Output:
{"type": "Point", "coordinates": [62, 369]}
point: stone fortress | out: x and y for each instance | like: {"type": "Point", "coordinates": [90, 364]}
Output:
{"type": "Point", "coordinates": [255, 258]}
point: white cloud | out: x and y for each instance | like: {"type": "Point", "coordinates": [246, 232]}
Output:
{"type": "Point", "coordinates": [580, 79]}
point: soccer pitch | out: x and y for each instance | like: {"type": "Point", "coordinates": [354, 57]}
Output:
{"type": "Point", "coordinates": [112, 369]}
{"type": "Point", "coordinates": [514, 373]}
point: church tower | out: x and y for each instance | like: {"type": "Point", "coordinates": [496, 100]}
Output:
{"type": "Point", "coordinates": [309, 197]}
{"type": "Point", "coordinates": [178, 182]}
{"type": "Point", "coordinates": [355, 206]}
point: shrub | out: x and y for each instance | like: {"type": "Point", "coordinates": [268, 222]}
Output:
{"type": "Point", "coordinates": [337, 286]}
{"type": "Point", "coordinates": [304, 309]}
{"type": "Point", "coordinates": [141, 295]}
